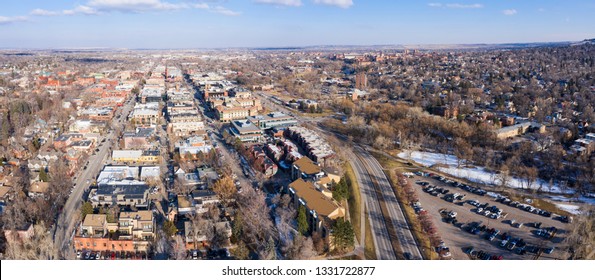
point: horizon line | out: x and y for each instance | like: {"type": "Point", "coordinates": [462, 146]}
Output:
{"type": "Point", "coordinates": [404, 46]}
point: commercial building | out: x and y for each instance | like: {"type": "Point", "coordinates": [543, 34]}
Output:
{"type": "Point", "coordinates": [246, 131]}
{"type": "Point", "coordinates": [273, 120]}
{"type": "Point", "coordinates": [120, 194]}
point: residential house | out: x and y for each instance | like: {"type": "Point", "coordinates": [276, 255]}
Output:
{"type": "Point", "coordinates": [39, 189]}
{"type": "Point", "coordinates": [202, 198]}
{"type": "Point", "coordinates": [25, 232]}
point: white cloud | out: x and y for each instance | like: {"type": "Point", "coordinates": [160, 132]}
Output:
{"type": "Point", "coordinates": [292, 3]}
{"type": "Point", "coordinates": [135, 5]}
{"type": "Point", "coordinates": [339, 3]}
{"type": "Point", "coordinates": [202, 6]}
{"type": "Point", "coordinates": [464, 6]}
{"type": "Point", "coordinates": [509, 12]}
{"type": "Point", "coordinates": [456, 6]}
{"type": "Point", "coordinates": [84, 10]}
{"type": "Point", "coordinates": [9, 20]}
{"type": "Point", "coordinates": [225, 11]}
{"type": "Point", "coordinates": [95, 7]}
{"type": "Point", "coordinates": [41, 12]}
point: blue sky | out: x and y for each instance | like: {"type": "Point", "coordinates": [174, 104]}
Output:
{"type": "Point", "coordinates": [278, 23]}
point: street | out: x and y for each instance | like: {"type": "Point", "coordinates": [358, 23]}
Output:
{"type": "Point", "coordinates": [68, 219]}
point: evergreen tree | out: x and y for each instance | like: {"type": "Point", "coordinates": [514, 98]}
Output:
{"type": "Point", "coordinates": [169, 228]}
{"type": "Point", "coordinates": [343, 234]}
{"type": "Point", "coordinates": [43, 176]}
{"type": "Point", "coordinates": [302, 220]}
{"type": "Point", "coordinates": [341, 190]}
{"type": "Point", "coordinates": [86, 209]}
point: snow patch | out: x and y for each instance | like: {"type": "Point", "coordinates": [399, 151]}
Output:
{"type": "Point", "coordinates": [572, 209]}
{"type": "Point", "coordinates": [477, 174]}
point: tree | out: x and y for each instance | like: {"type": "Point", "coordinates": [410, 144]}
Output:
{"type": "Point", "coordinates": [225, 189]}
{"type": "Point", "coordinates": [341, 190]}
{"type": "Point", "coordinates": [343, 235]}
{"type": "Point", "coordinates": [39, 246]}
{"type": "Point", "coordinates": [86, 208]}
{"type": "Point", "coordinates": [302, 221]}
{"type": "Point", "coordinates": [269, 252]}
{"type": "Point", "coordinates": [318, 242]}
{"type": "Point", "coordinates": [181, 187]}
{"type": "Point", "coordinates": [241, 252]}
{"type": "Point", "coordinates": [179, 248]}
{"type": "Point", "coordinates": [169, 228]}
{"type": "Point", "coordinates": [43, 176]}
{"type": "Point", "coordinates": [301, 249]}
{"type": "Point", "coordinates": [257, 226]}
{"type": "Point", "coordinates": [238, 144]}
{"type": "Point", "coordinates": [529, 175]}
{"type": "Point", "coordinates": [581, 236]}
{"type": "Point", "coordinates": [36, 142]}
{"type": "Point", "coordinates": [237, 228]}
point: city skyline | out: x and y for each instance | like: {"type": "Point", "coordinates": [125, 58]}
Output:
{"type": "Point", "coordinates": [283, 23]}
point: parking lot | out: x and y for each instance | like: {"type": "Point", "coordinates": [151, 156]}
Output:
{"type": "Point", "coordinates": [474, 224]}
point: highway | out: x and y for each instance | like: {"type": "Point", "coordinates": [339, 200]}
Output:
{"type": "Point", "coordinates": [378, 227]}
{"type": "Point", "coordinates": [69, 217]}
{"type": "Point", "coordinates": [374, 170]}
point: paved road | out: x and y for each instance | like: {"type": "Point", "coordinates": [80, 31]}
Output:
{"type": "Point", "coordinates": [380, 235]}
{"type": "Point", "coordinates": [395, 213]}
{"type": "Point", "coordinates": [69, 216]}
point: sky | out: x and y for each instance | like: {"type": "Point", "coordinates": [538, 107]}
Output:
{"type": "Point", "coordinates": [186, 24]}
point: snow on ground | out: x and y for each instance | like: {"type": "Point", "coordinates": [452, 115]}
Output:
{"type": "Point", "coordinates": [475, 174]}
{"type": "Point", "coordinates": [572, 209]}
{"type": "Point", "coordinates": [581, 199]}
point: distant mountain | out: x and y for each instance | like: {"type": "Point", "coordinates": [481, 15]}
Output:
{"type": "Point", "coordinates": [584, 42]}
{"type": "Point", "coordinates": [422, 47]}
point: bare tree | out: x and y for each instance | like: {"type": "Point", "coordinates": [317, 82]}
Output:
{"type": "Point", "coordinates": [581, 235]}
{"type": "Point", "coordinates": [179, 248]}
{"type": "Point", "coordinates": [181, 187]}
{"type": "Point", "coordinates": [39, 246]}
{"type": "Point", "coordinates": [258, 229]}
